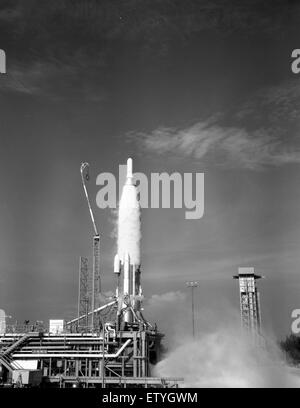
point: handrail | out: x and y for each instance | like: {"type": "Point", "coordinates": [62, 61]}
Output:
{"type": "Point", "coordinates": [15, 344]}
{"type": "Point", "coordinates": [81, 355]}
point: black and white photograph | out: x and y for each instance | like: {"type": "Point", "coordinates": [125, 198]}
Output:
{"type": "Point", "coordinates": [149, 197]}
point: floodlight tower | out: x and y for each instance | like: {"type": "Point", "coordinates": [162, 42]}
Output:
{"type": "Point", "coordinates": [249, 300]}
{"type": "Point", "coordinates": [96, 285]}
{"type": "Point", "coordinates": [192, 285]}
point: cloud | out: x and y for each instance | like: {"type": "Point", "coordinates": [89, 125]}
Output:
{"type": "Point", "coordinates": [166, 298]}
{"type": "Point", "coordinates": [226, 358]}
{"type": "Point", "coordinates": [233, 146]}
{"type": "Point", "coordinates": [155, 18]}
{"type": "Point", "coordinates": [169, 310]}
{"type": "Point", "coordinates": [56, 79]}
{"type": "Point", "coordinates": [66, 46]}
{"type": "Point", "coordinates": [9, 13]}
{"type": "Point", "coordinates": [275, 104]}
{"type": "Point", "coordinates": [172, 313]}
{"type": "Point", "coordinates": [219, 353]}
{"type": "Point", "coordinates": [262, 131]}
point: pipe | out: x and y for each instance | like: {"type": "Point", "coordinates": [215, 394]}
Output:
{"type": "Point", "coordinates": [126, 287]}
{"type": "Point", "coordinates": [94, 311]}
{"type": "Point", "coordinates": [82, 355]}
{"type": "Point", "coordinates": [133, 286]}
{"type": "Point", "coordinates": [126, 275]}
{"type": "Point", "coordinates": [110, 329]}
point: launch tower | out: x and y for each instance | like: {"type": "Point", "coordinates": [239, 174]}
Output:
{"type": "Point", "coordinates": [249, 300]}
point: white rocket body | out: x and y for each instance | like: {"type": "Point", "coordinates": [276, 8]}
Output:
{"type": "Point", "coordinates": [127, 260]}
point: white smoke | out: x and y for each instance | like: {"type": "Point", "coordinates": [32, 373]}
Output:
{"type": "Point", "coordinates": [129, 225]}
{"type": "Point", "coordinates": [227, 359]}
{"type": "Point", "coordinates": [220, 355]}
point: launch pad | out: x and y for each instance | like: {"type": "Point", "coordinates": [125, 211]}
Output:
{"type": "Point", "coordinates": [109, 343]}
{"type": "Point", "coordinates": [118, 359]}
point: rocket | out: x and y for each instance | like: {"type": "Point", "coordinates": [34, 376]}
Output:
{"type": "Point", "coordinates": [127, 260]}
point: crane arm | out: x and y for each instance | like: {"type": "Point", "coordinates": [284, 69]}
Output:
{"type": "Point", "coordinates": [84, 178]}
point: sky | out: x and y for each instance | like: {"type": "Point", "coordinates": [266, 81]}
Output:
{"type": "Point", "coordinates": [189, 86]}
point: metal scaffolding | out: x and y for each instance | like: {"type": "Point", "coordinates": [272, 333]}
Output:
{"type": "Point", "coordinates": [249, 300]}
{"type": "Point", "coordinates": [84, 298]}
{"type": "Point", "coordinates": [96, 279]}
{"type": "Point", "coordinates": [108, 358]}
{"type": "Point", "coordinates": [96, 285]}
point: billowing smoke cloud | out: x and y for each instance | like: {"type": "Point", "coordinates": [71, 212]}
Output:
{"type": "Point", "coordinates": [220, 355]}
{"type": "Point", "coordinates": [129, 225]}
{"type": "Point", "coordinates": [226, 358]}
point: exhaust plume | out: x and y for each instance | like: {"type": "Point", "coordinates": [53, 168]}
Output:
{"type": "Point", "coordinates": [129, 221]}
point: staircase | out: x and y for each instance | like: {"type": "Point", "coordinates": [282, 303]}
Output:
{"type": "Point", "coordinates": [17, 343]}
{"type": "Point", "coordinates": [5, 358]}
{"type": "Point", "coordinates": [8, 363]}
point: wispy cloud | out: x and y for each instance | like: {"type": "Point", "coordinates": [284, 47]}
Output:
{"type": "Point", "coordinates": [61, 48]}
{"type": "Point", "coordinates": [55, 80]}
{"type": "Point", "coordinates": [231, 145]}
{"type": "Point", "coordinates": [274, 104]}
{"type": "Point", "coordinates": [261, 132]}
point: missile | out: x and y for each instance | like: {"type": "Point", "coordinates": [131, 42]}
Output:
{"type": "Point", "coordinates": [127, 260]}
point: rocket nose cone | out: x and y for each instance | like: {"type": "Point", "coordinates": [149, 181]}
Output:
{"type": "Point", "coordinates": [129, 168]}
